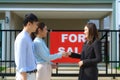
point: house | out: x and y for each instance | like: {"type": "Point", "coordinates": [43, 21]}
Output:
{"type": "Point", "coordinates": [59, 15]}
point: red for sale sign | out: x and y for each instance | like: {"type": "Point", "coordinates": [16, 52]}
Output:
{"type": "Point", "coordinates": [68, 42]}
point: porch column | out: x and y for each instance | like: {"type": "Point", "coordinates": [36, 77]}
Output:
{"type": "Point", "coordinates": [118, 28]}
{"type": "Point", "coordinates": [113, 41]}
{"type": "Point", "coordinates": [6, 38]}
{"type": "Point", "coordinates": [101, 24]}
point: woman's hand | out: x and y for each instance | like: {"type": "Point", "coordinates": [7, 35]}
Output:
{"type": "Point", "coordinates": [80, 63]}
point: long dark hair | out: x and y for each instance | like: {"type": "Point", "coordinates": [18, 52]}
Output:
{"type": "Point", "coordinates": [39, 26]}
{"type": "Point", "coordinates": [92, 32]}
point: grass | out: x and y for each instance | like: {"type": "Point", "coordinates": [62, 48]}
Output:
{"type": "Point", "coordinates": [2, 68]}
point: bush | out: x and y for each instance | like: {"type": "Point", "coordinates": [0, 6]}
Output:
{"type": "Point", "coordinates": [118, 68]}
{"type": "Point", "coordinates": [2, 68]}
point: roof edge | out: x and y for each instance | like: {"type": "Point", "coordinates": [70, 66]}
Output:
{"type": "Point", "coordinates": [56, 1]}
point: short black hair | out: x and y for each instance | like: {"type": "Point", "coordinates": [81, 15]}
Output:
{"type": "Point", "coordinates": [30, 18]}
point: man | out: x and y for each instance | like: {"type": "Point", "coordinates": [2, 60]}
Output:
{"type": "Point", "coordinates": [24, 57]}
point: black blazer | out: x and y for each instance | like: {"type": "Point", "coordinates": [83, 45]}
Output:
{"type": "Point", "coordinates": [90, 55]}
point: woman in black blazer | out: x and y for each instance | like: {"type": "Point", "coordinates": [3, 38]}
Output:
{"type": "Point", "coordinates": [90, 55]}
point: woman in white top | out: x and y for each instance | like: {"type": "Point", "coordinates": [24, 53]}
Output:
{"type": "Point", "coordinates": [42, 54]}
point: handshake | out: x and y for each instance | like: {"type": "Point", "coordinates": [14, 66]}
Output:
{"type": "Point", "coordinates": [66, 54]}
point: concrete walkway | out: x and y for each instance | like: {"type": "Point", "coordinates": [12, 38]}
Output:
{"type": "Point", "coordinates": [71, 70]}
{"type": "Point", "coordinates": [66, 78]}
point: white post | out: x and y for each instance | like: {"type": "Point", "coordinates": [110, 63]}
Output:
{"type": "Point", "coordinates": [7, 35]}
{"type": "Point", "coordinates": [118, 26]}
{"type": "Point", "coordinates": [3, 39]}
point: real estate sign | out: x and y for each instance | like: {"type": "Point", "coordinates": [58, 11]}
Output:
{"type": "Point", "coordinates": [67, 42]}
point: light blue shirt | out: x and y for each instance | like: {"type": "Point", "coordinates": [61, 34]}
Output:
{"type": "Point", "coordinates": [23, 49]}
{"type": "Point", "coordinates": [42, 52]}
